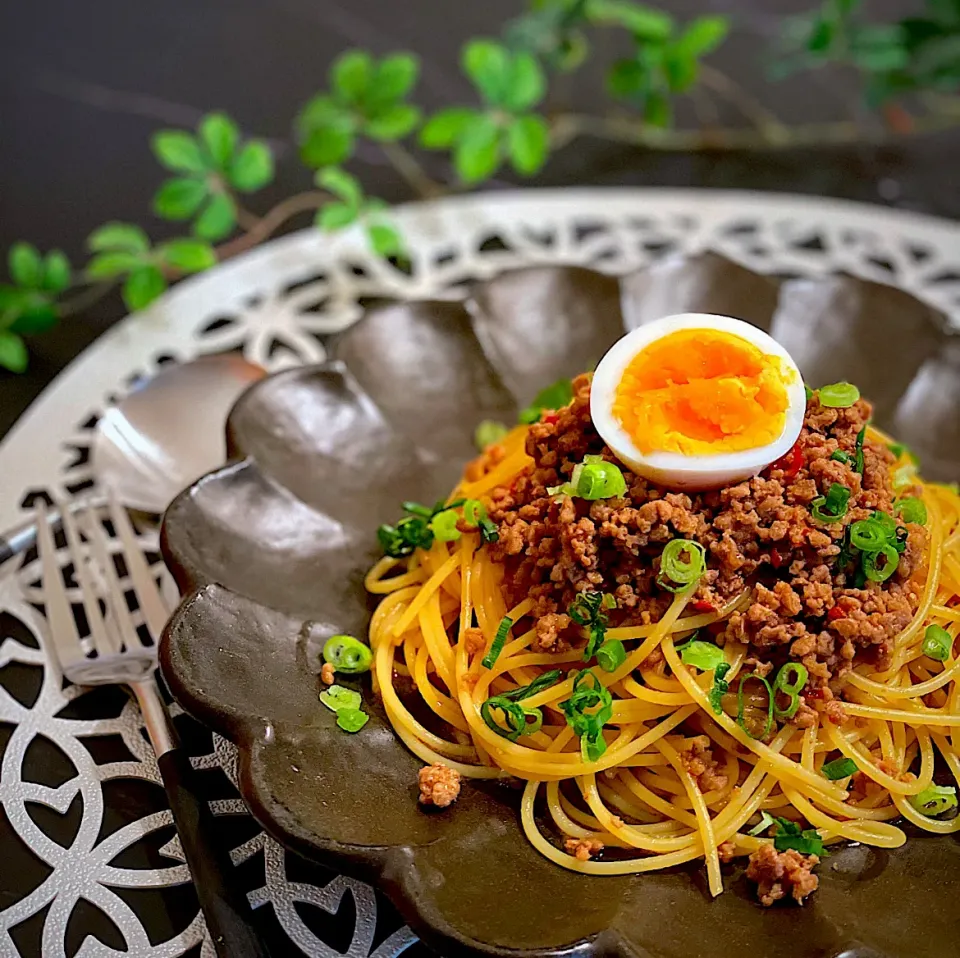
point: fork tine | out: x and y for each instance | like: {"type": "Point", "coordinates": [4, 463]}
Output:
{"type": "Point", "coordinates": [104, 640]}
{"type": "Point", "coordinates": [116, 598]}
{"type": "Point", "coordinates": [64, 638]}
{"type": "Point", "coordinates": [154, 610]}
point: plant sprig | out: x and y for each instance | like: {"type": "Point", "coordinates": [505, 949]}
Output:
{"type": "Point", "coordinates": [369, 101]}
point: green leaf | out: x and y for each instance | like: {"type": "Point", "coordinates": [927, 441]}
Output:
{"type": "Point", "coordinates": [56, 272]}
{"type": "Point", "coordinates": [26, 266]}
{"type": "Point", "coordinates": [642, 22]}
{"type": "Point", "coordinates": [880, 48]}
{"type": "Point", "coordinates": [13, 352]}
{"type": "Point", "coordinates": [657, 110]}
{"type": "Point", "coordinates": [180, 198]}
{"type": "Point", "coordinates": [220, 136]}
{"type": "Point", "coordinates": [188, 255]}
{"type": "Point", "coordinates": [320, 111]}
{"type": "Point", "coordinates": [335, 216]}
{"type": "Point", "coordinates": [217, 220]}
{"type": "Point", "coordinates": [252, 169]}
{"type": "Point", "coordinates": [26, 310]}
{"type": "Point", "coordinates": [385, 241]}
{"type": "Point", "coordinates": [626, 78]}
{"type": "Point", "coordinates": [396, 76]}
{"type": "Point", "coordinates": [111, 264]}
{"type": "Point", "coordinates": [444, 128]}
{"type": "Point", "coordinates": [341, 184]}
{"type": "Point", "coordinates": [488, 65]}
{"type": "Point", "coordinates": [327, 146]}
{"type": "Point", "coordinates": [477, 153]}
{"type": "Point", "coordinates": [525, 85]}
{"type": "Point", "coordinates": [142, 287]}
{"type": "Point", "coordinates": [37, 319]}
{"type": "Point", "coordinates": [820, 38]}
{"type": "Point", "coordinates": [179, 151]}
{"type": "Point", "coordinates": [351, 74]}
{"type": "Point", "coordinates": [393, 123]}
{"type": "Point", "coordinates": [119, 236]}
{"type": "Point", "coordinates": [703, 35]}
{"type": "Point", "coordinates": [528, 141]}
{"type": "Point", "coordinates": [680, 70]}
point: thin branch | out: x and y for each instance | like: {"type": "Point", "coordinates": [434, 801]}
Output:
{"type": "Point", "coordinates": [245, 218]}
{"type": "Point", "coordinates": [270, 222]}
{"type": "Point", "coordinates": [748, 105]}
{"type": "Point", "coordinates": [85, 299]}
{"type": "Point", "coordinates": [625, 129]}
{"type": "Point", "coordinates": [408, 166]}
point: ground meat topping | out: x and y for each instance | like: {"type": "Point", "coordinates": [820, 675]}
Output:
{"type": "Point", "coordinates": [439, 785]}
{"type": "Point", "coordinates": [698, 760]}
{"type": "Point", "coordinates": [583, 849]}
{"type": "Point", "coordinates": [779, 874]}
{"type": "Point", "coordinates": [327, 673]}
{"type": "Point", "coordinates": [759, 534]}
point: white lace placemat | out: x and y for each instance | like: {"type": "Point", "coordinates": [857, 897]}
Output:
{"type": "Point", "coordinates": [119, 858]}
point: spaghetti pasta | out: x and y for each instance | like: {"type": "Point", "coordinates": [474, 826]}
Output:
{"type": "Point", "coordinates": [638, 796]}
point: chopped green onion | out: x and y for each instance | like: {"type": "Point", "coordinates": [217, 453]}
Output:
{"type": "Point", "coordinates": [880, 573]}
{"type": "Point", "coordinates": [840, 456]}
{"type": "Point", "coordinates": [540, 683]}
{"type": "Point", "coordinates": [789, 835]}
{"type": "Point", "coordinates": [586, 611]}
{"type": "Point", "coordinates": [885, 521]}
{"type": "Point", "coordinates": [838, 395]}
{"type": "Point", "coordinates": [475, 514]}
{"type": "Point", "coordinates": [609, 601]}
{"type": "Point", "coordinates": [768, 725]}
{"type": "Point", "coordinates": [766, 820]}
{"type": "Point", "coordinates": [702, 655]}
{"type": "Point", "coordinates": [519, 720]}
{"type": "Point", "coordinates": [790, 680]}
{"type": "Point", "coordinates": [858, 446]}
{"type": "Point", "coordinates": [935, 800]}
{"type": "Point", "coordinates": [611, 655]}
{"type": "Point", "coordinates": [347, 654]}
{"type": "Point", "coordinates": [601, 480]}
{"type": "Point", "coordinates": [912, 509]}
{"type": "Point", "coordinates": [336, 697]}
{"type": "Point", "coordinates": [592, 746]}
{"type": "Point", "coordinates": [412, 531]}
{"type": "Point", "coordinates": [900, 450]}
{"type": "Point", "coordinates": [489, 432]}
{"type": "Point", "coordinates": [868, 535]}
{"type": "Point", "coordinates": [555, 396]}
{"type": "Point", "coordinates": [499, 640]}
{"type": "Point", "coordinates": [444, 526]}
{"type": "Point", "coordinates": [352, 720]}
{"type": "Point", "coordinates": [839, 768]}
{"type": "Point", "coordinates": [588, 709]}
{"type": "Point", "coordinates": [808, 392]}
{"type": "Point", "coordinates": [904, 477]}
{"type": "Point", "coordinates": [720, 687]}
{"type": "Point", "coordinates": [677, 574]}
{"type": "Point", "coordinates": [415, 509]}
{"type": "Point", "coordinates": [937, 643]}
{"type": "Point", "coordinates": [833, 506]}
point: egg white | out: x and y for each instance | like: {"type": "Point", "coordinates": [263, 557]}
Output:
{"type": "Point", "coordinates": [677, 470]}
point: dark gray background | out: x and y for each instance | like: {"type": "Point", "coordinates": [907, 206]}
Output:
{"type": "Point", "coordinates": [84, 82]}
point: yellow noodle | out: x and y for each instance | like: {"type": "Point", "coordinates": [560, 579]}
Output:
{"type": "Point", "coordinates": [642, 792]}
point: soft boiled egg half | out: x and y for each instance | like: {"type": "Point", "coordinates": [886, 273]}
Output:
{"type": "Point", "coordinates": [696, 401]}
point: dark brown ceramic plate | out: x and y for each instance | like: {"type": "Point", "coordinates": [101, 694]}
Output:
{"type": "Point", "coordinates": [270, 553]}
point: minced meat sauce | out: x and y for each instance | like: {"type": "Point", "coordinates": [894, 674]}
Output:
{"type": "Point", "coordinates": [759, 534]}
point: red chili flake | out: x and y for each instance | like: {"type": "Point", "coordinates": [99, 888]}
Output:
{"type": "Point", "coordinates": [791, 463]}
{"type": "Point", "coordinates": [550, 418]}
{"type": "Point", "coordinates": [777, 560]}
{"type": "Point", "coordinates": [836, 613]}
{"type": "Point", "coordinates": [701, 605]}
{"type": "Point", "coordinates": [813, 694]}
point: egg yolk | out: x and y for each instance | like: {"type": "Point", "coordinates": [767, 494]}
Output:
{"type": "Point", "coordinates": [702, 392]}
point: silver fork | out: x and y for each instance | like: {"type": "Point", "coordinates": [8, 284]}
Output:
{"type": "Point", "coordinates": [115, 654]}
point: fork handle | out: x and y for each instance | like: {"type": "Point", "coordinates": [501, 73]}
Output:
{"type": "Point", "coordinates": [224, 904]}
